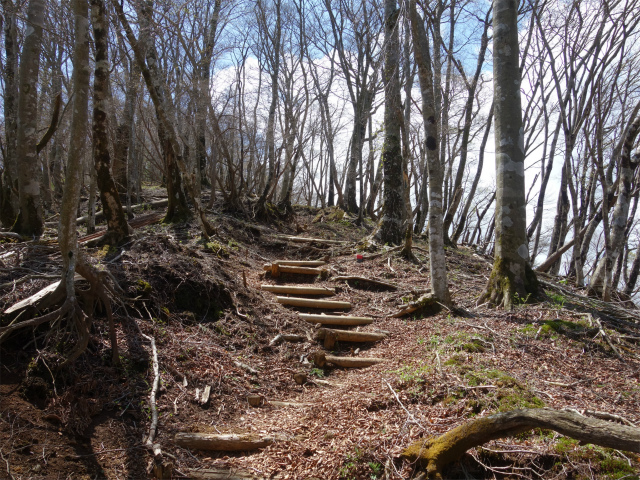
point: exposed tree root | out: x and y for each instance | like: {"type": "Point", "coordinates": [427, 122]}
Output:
{"type": "Point", "coordinates": [435, 453]}
{"type": "Point", "coordinates": [71, 312]}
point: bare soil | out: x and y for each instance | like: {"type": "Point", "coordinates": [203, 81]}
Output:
{"type": "Point", "coordinates": [89, 420]}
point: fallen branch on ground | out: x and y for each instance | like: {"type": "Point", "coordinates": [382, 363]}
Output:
{"type": "Point", "coordinates": [366, 280]}
{"type": "Point", "coordinates": [435, 453]}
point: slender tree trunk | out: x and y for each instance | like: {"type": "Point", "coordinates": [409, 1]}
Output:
{"type": "Point", "coordinates": [204, 91]}
{"type": "Point", "coordinates": [633, 274]}
{"type": "Point", "coordinates": [474, 186]}
{"type": "Point", "coordinates": [466, 132]}
{"type": "Point", "coordinates": [30, 220]}
{"type": "Point", "coordinates": [78, 146]}
{"type": "Point", "coordinates": [621, 208]}
{"type": "Point", "coordinates": [437, 260]}
{"type": "Point", "coordinates": [271, 121]}
{"type": "Point", "coordinates": [124, 131]}
{"type": "Point", "coordinates": [117, 227]}
{"type": "Point", "coordinates": [511, 275]}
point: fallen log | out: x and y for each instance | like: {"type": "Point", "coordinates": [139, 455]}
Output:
{"type": "Point", "coordinates": [296, 290]}
{"type": "Point", "coordinates": [321, 359]}
{"type": "Point", "coordinates": [335, 319]}
{"type": "Point", "coordinates": [435, 453]}
{"type": "Point", "coordinates": [276, 269]}
{"type": "Point", "coordinates": [380, 283]}
{"type": "Point", "coordinates": [300, 263]}
{"type": "Point", "coordinates": [230, 442]}
{"type": "Point", "coordinates": [331, 336]}
{"type": "Point", "coordinates": [309, 240]}
{"type": "Point", "coordinates": [313, 303]}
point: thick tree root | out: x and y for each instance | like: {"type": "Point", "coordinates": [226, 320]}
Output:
{"type": "Point", "coordinates": [70, 309]}
{"type": "Point", "coordinates": [435, 453]}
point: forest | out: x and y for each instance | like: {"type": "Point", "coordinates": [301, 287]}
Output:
{"type": "Point", "coordinates": [184, 186]}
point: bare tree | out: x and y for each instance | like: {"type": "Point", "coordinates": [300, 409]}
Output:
{"type": "Point", "coordinates": [511, 275]}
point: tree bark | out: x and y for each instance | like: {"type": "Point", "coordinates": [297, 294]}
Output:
{"type": "Point", "coordinates": [437, 260]}
{"type": "Point", "coordinates": [392, 228]}
{"type": "Point", "coordinates": [511, 274]}
{"type": "Point", "coordinates": [117, 227]}
{"type": "Point", "coordinates": [435, 454]}
{"type": "Point", "coordinates": [30, 220]}
{"type": "Point", "coordinates": [9, 204]}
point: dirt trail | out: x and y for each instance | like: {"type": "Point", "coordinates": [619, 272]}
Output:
{"type": "Point", "coordinates": [212, 330]}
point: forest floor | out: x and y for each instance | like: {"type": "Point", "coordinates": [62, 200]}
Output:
{"type": "Point", "coordinates": [213, 325]}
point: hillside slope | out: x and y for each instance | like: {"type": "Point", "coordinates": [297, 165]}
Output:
{"type": "Point", "coordinates": [214, 328]}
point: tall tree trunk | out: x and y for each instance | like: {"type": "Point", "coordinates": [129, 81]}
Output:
{"type": "Point", "coordinates": [67, 237]}
{"type": "Point", "coordinates": [155, 87]}
{"type": "Point", "coordinates": [117, 227]}
{"type": "Point", "coordinates": [391, 228]}
{"type": "Point", "coordinates": [274, 61]}
{"type": "Point", "coordinates": [437, 261]}
{"type": "Point", "coordinates": [511, 275]}
{"type": "Point", "coordinates": [204, 92]}
{"type": "Point", "coordinates": [9, 205]}
{"type": "Point", "coordinates": [30, 220]}
{"type": "Point", "coordinates": [124, 131]}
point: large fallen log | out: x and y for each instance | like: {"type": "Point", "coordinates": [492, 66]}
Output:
{"type": "Point", "coordinates": [321, 359]}
{"type": "Point", "coordinates": [223, 442]}
{"type": "Point", "coordinates": [276, 269]}
{"type": "Point", "coordinates": [296, 290]}
{"type": "Point", "coordinates": [313, 303]}
{"type": "Point", "coordinates": [335, 319]}
{"type": "Point", "coordinates": [435, 453]}
{"type": "Point", "coordinates": [331, 336]}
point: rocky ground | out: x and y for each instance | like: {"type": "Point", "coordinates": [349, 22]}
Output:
{"type": "Point", "coordinates": [213, 326]}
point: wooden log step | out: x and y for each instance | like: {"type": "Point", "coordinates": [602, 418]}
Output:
{"type": "Point", "coordinates": [321, 359]}
{"type": "Point", "coordinates": [276, 269]}
{"type": "Point", "coordinates": [335, 319]}
{"type": "Point", "coordinates": [313, 303]}
{"type": "Point", "coordinates": [296, 290]}
{"type": "Point", "coordinates": [298, 263]}
{"type": "Point", "coordinates": [331, 336]}
{"type": "Point", "coordinates": [306, 239]}
{"type": "Point", "coordinates": [223, 442]}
